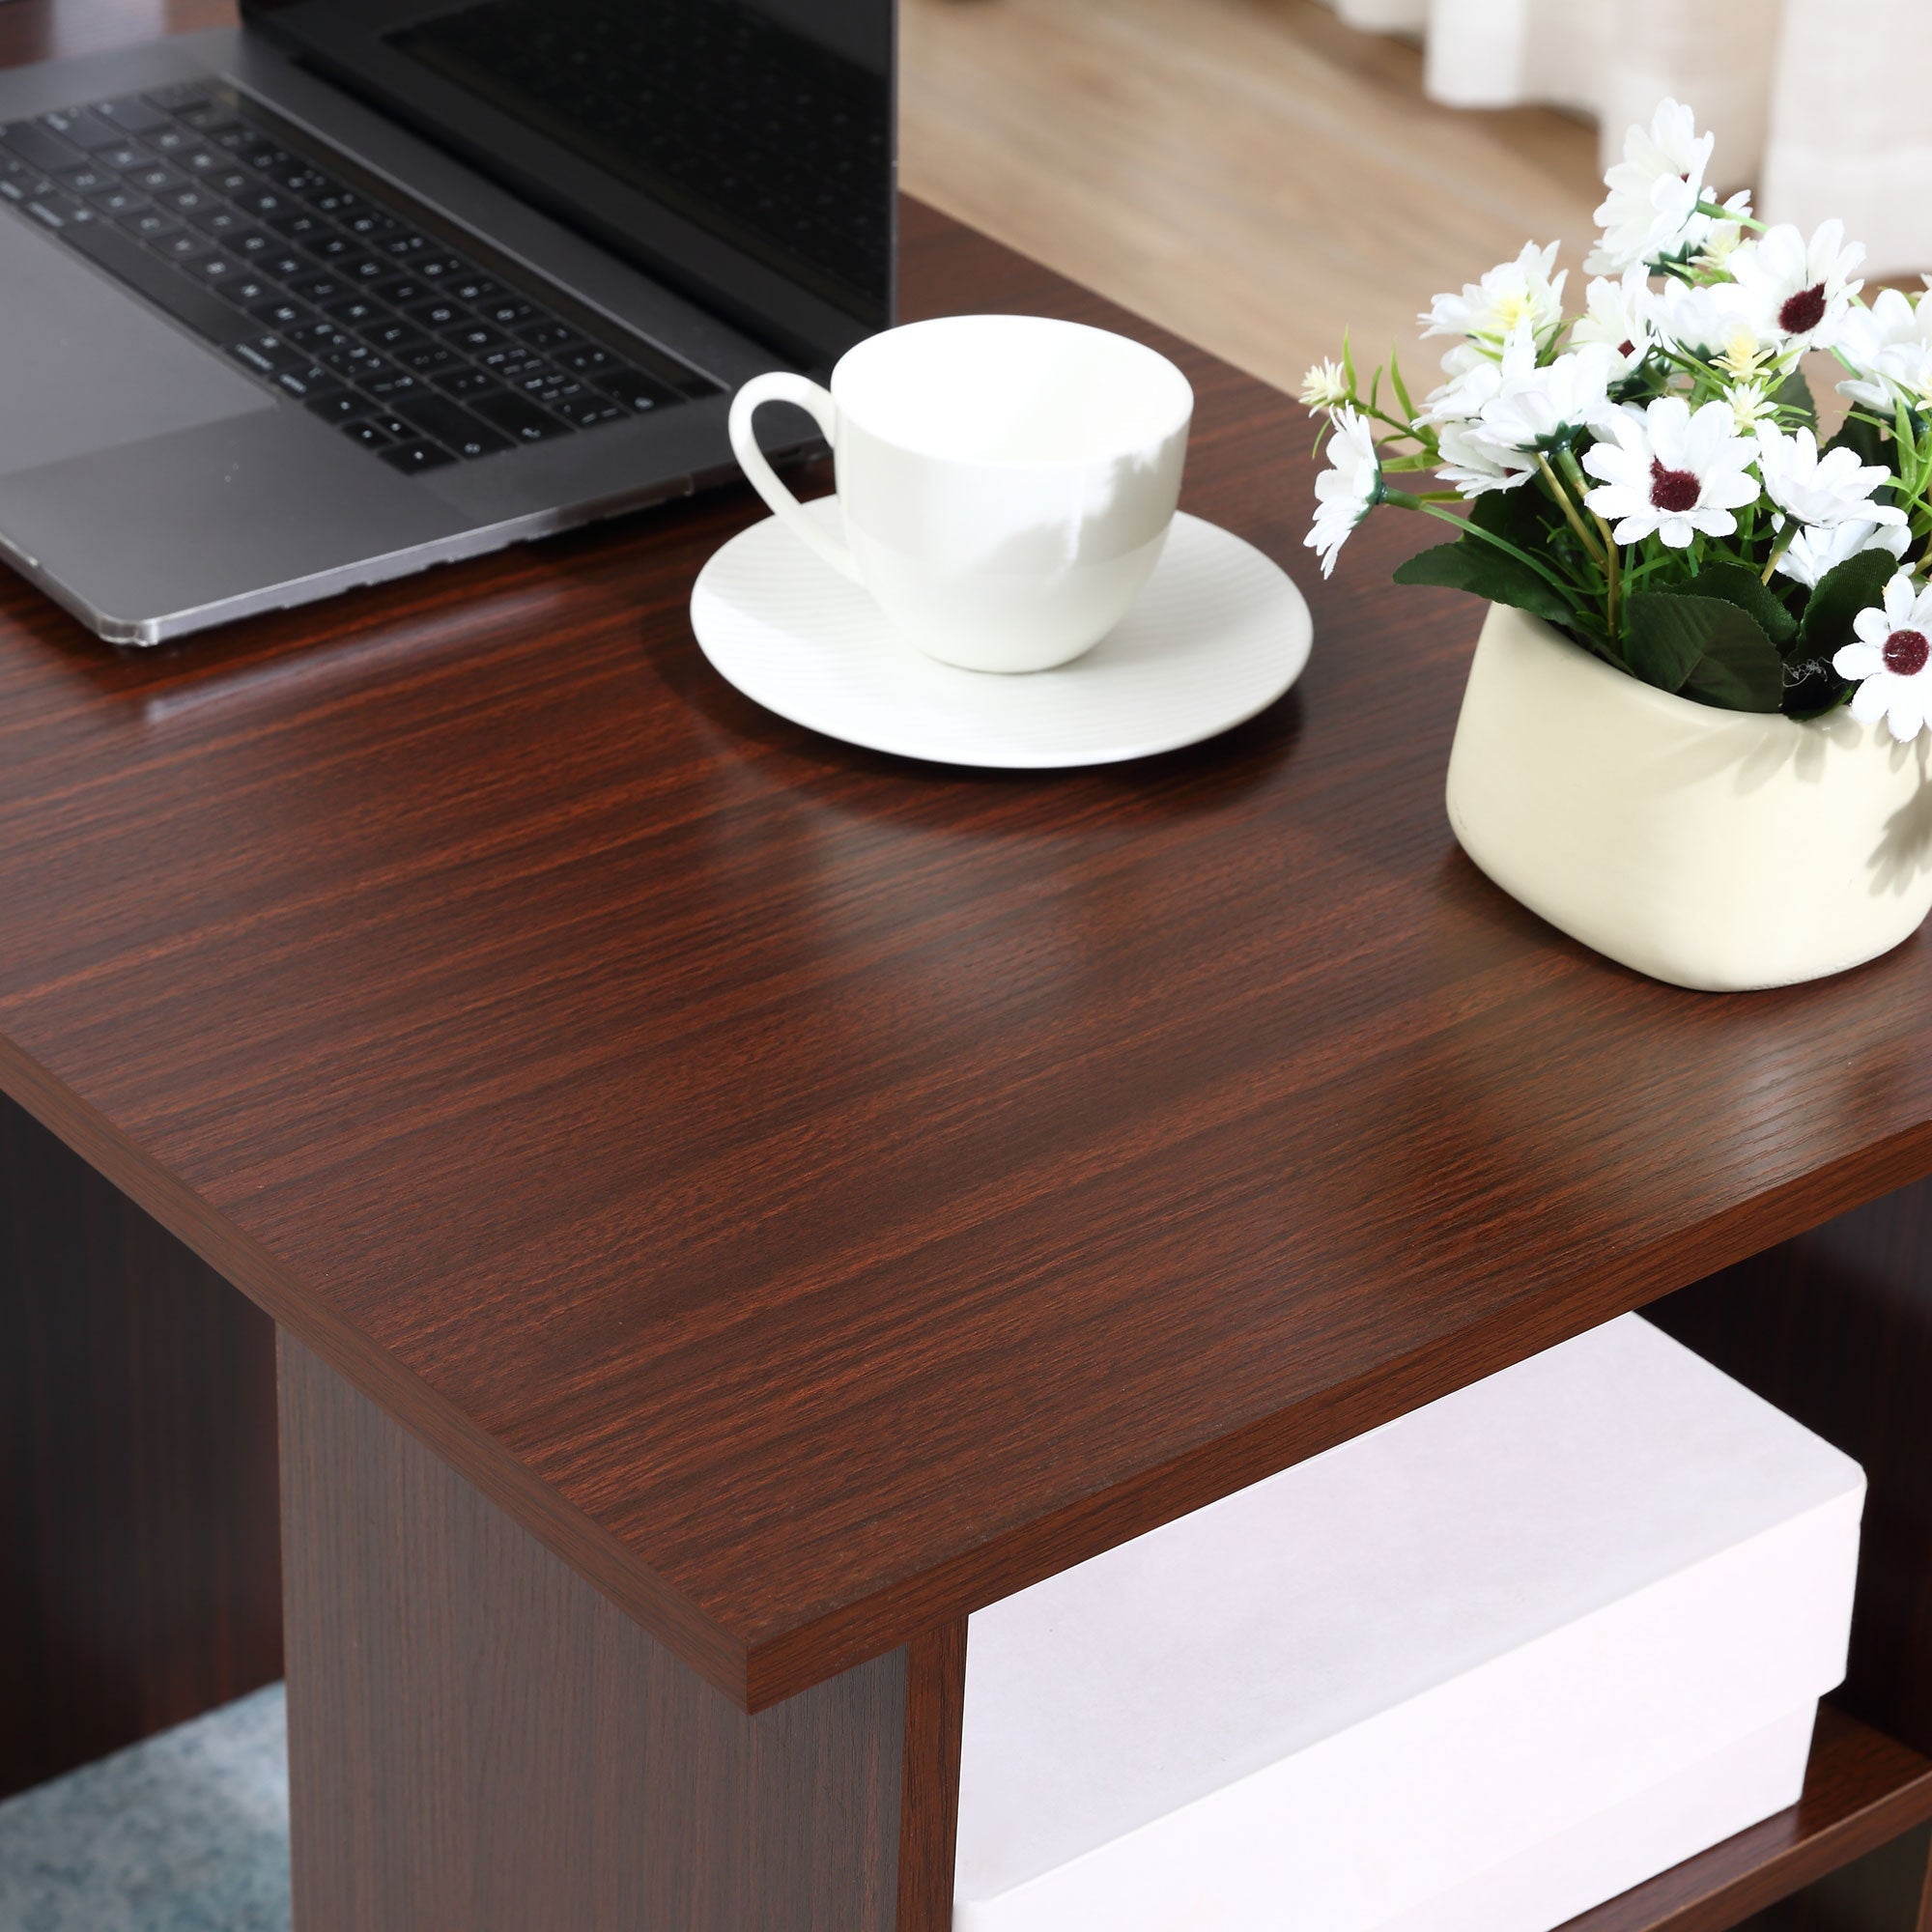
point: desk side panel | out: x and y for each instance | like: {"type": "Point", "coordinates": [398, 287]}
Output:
{"type": "Point", "coordinates": [139, 1563]}
{"type": "Point", "coordinates": [481, 1742]}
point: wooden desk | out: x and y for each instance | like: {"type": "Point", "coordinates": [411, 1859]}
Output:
{"type": "Point", "coordinates": [730, 1205]}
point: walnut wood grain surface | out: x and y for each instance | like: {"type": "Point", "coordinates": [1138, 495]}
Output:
{"type": "Point", "coordinates": [1861, 1790]}
{"type": "Point", "coordinates": [818, 1193]}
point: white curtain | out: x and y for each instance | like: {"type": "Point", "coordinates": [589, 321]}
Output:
{"type": "Point", "coordinates": [1822, 106]}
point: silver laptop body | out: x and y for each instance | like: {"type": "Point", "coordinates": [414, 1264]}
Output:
{"type": "Point", "coordinates": [157, 478]}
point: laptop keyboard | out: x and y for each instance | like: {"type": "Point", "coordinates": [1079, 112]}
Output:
{"type": "Point", "coordinates": [326, 293]}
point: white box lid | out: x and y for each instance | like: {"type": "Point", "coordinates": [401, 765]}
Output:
{"type": "Point", "coordinates": [1222, 1643]}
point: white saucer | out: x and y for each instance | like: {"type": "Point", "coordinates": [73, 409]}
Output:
{"type": "Point", "coordinates": [1219, 633]}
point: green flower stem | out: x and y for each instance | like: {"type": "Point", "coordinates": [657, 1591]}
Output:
{"type": "Point", "coordinates": [1719, 213]}
{"type": "Point", "coordinates": [1572, 514]}
{"type": "Point", "coordinates": [1403, 500]}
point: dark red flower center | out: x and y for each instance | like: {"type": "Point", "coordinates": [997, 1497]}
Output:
{"type": "Point", "coordinates": [1625, 348]}
{"type": "Point", "coordinates": [1803, 311]}
{"type": "Point", "coordinates": [1672, 490]}
{"type": "Point", "coordinates": [1906, 652]}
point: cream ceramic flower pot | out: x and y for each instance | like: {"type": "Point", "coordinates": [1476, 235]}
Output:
{"type": "Point", "coordinates": [1721, 850]}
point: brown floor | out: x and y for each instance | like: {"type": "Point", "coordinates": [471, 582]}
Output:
{"type": "Point", "coordinates": [1251, 173]}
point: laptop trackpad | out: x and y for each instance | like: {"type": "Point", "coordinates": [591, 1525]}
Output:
{"type": "Point", "coordinates": [85, 367]}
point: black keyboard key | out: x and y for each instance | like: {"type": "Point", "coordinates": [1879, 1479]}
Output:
{"type": "Point", "coordinates": [84, 127]}
{"type": "Point", "coordinates": [267, 354]}
{"type": "Point", "coordinates": [171, 141]}
{"type": "Point", "coordinates": [353, 311]}
{"type": "Point", "coordinates": [634, 389]}
{"type": "Point", "coordinates": [120, 201]}
{"type": "Point", "coordinates": [58, 212]}
{"type": "Point", "coordinates": [198, 308]}
{"type": "Point", "coordinates": [179, 247]}
{"type": "Point", "coordinates": [123, 158]}
{"type": "Point", "coordinates": [587, 409]}
{"type": "Point", "coordinates": [434, 268]}
{"type": "Point", "coordinates": [395, 386]}
{"type": "Point", "coordinates": [414, 458]}
{"type": "Point", "coordinates": [469, 382]}
{"type": "Point", "coordinates": [150, 224]}
{"type": "Point", "coordinates": [551, 335]}
{"type": "Point", "coordinates": [434, 314]}
{"type": "Point", "coordinates": [300, 225]}
{"type": "Point", "coordinates": [455, 428]}
{"type": "Point", "coordinates": [321, 289]}
{"type": "Point", "coordinates": [394, 336]}
{"type": "Point", "coordinates": [478, 337]}
{"type": "Point", "coordinates": [588, 361]}
{"type": "Point", "coordinates": [368, 224]}
{"type": "Point", "coordinates": [372, 435]}
{"type": "Point", "coordinates": [133, 115]}
{"type": "Point", "coordinates": [265, 203]}
{"type": "Point", "coordinates": [245, 290]}
{"type": "Point", "coordinates": [307, 383]}
{"type": "Point", "coordinates": [212, 119]}
{"type": "Point", "coordinates": [252, 243]}
{"type": "Point", "coordinates": [191, 198]}
{"type": "Point", "coordinates": [225, 178]}
{"type": "Point", "coordinates": [472, 289]}
{"type": "Point", "coordinates": [338, 406]}
{"type": "Point", "coordinates": [218, 224]}
{"type": "Point", "coordinates": [363, 272]}
{"type": "Point", "coordinates": [280, 262]}
{"type": "Point", "coordinates": [278, 314]}
{"type": "Point", "coordinates": [316, 337]}
{"type": "Point", "coordinates": [151, 177]}
{"type": "Point", "coordinates": [86, 180]}
{"type": "Point", "coordinates": [509, 312]}
{"type": "Point", "coordinates": [519, 418]}
{"type": "Point", "coordinates": [429, 358]}
{"type": "Point", "coordinates": [328, 246]}
{"type": "Point", "coordinates": [216, 269]}
{"type": "Point", "coordinates": [357, 362]}
{"type": "Point", "coordinates": [402, 290]}
{"type": "Point", "coordinates": [41, 150]}
{"type": "Point", "coordinates": [407, 246]}
{"type": "Point", "coordinates": [336, 201]}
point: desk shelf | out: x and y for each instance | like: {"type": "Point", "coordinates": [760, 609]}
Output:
{"type": "Point", "coordinates": [1862, 1790]}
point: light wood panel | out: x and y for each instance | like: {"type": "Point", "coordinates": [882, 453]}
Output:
{"type": "Point", "coordinates": [1250, 173]}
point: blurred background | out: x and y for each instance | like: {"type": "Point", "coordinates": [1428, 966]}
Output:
{"type": "Point", "coordinates": [1260, 174]}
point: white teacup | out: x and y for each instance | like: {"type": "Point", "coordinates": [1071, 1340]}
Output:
{"type": "Point", "coordinates": [1007, 481]}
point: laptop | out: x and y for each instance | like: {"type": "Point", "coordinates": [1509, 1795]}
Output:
{"type": "Point", "coordinates": [363, 286]}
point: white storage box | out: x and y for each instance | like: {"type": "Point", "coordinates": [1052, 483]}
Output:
{"type": "Point", "coordinates": [1475, 1671]}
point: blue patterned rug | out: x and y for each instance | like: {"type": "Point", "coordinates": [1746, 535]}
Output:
{"type": "Point", "coordinates": [187, 1832]}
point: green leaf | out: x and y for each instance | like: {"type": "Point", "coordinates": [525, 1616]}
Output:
{"type": "Point", "coordinates": [1854, 585]}
{"type": "Point", "coordinates": [1470, 564]}
{"type": "Point", "coordinates": [1703, 647]}
{"type": "Point", "coordinates": [1795, 393]}
{"type": "Point", "coordinates": [1401, 388]}
{"type": "Point", "coordinates": [1737, 585]}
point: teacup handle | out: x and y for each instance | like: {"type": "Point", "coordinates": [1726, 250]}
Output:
{"type": "Point", "coordinates": [779, 385]}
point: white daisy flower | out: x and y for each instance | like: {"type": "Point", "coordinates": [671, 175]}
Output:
{"type": "Point", "coordinates": [1752, 404]}
{"type": "Point", "coordinates": [1475, 383]}
{"type": "Point", "coordinates": [1473, 463]}
{"type": "Point", "coordinates": [1654, 192]}
{"type": "Point", "coordinates": [1348, 489]}
{"type": "Point", "coordinates": [1511, 293]}
{"type": "Point", "coordinates": [1672, 474]}
{"type": "Point", "coordinates": [1703, 319]}
{"type": "Point", "coordinates": [1893, 659]}
{"type": "Point", "coordinates": [1615, 316]}
{"type": "Point", "coordinates": [1543, 409]}
{"type": "Point", "coordinates": [1798, 292]}
{"type": "Point", "coordinates": [1812, 552]}
{"type": "Point", "coordinates": [1324, 387]}
{"type": "Point", "coordinates": [1834, 487]}
{"type": "Point", "coordinates": [1890, 347]}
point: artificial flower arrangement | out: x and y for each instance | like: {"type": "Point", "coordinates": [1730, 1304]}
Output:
{"type": "Point", "coordinates": [1646, 475]}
